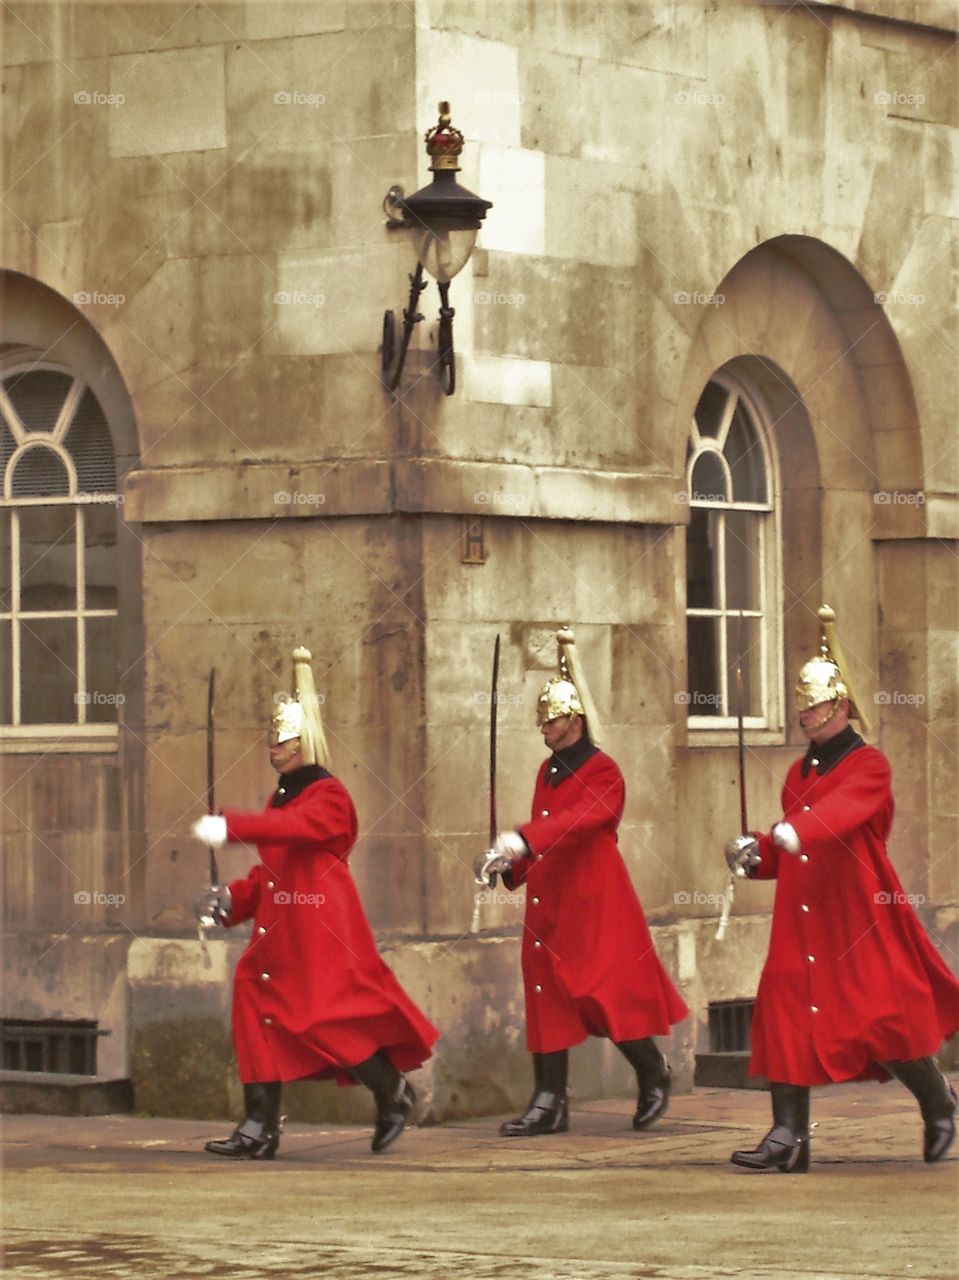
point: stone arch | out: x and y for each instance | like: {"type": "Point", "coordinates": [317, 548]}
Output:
{"type": "Point", "coordinates": [36, 318]}
{"type": "Point", "coordinates": [794, 301]}
{"type": "Point", "coordinates": [101, 789]}
{"type": "Point", "coordinates": [798, 314]}
{"type": "Point", "coordinates": [801, 323]}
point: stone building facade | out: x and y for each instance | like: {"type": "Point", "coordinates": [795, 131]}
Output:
{"type": "Point", "coordinates": [722, 212]}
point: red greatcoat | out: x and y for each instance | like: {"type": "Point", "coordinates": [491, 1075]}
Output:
{"type": "Point", "coordinates": [851, 979]}
{"type": "Point", "coordinates": [589, 966]}
{"type": "Point", "coordinates": [311, 995]}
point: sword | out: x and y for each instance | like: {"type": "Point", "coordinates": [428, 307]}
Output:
{"type": "Point", "coordinates": [210, 804]}
{"type": "Point", "coordinates": [741, 740]}
{"type": "Point", "coordinates": [494, 707]}
{"type": "Point", "coordinates": [210, 773]}
{"type": "Point", "coordinates": [741, 736]}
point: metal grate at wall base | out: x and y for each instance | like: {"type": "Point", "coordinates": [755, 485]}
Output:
{"type": "Point", "coordinates": [59, 1047]}
{"type": "Point", "coordinates": [730, 1024]}
{"type": "Point", "coordinates": [726, 1064]}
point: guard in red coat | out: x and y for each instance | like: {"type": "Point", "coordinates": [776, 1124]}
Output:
{"type": "Point", "coordinates": [852, 988]}
{"type": "Point", "coordinates": [312, 998]}
{"type": "Point", "coordinates": [589, 965]}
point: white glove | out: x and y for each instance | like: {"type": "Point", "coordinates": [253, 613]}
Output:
{"type": "Point", "coordinates": [742, 854]}
{"type": "Point", "coordinates": [507, 847]}
{"type": "Point", "coordinates": [210, 830]}
{"type": "Point", "coordinates": [510, 845]}
{"type": "Point", "coordinates": [784, 834]}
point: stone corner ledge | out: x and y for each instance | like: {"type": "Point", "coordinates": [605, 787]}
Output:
{"type": "Point", "coordinates": [905, 515]}
{"type": "Point", "coordinates": [259, 491]}
{"type": "Point", "coordinates": [172, 961]}
{"type": "Point", "coordinates": [522, 491]}
{"type": "Point", "coordinates": [418, 486]}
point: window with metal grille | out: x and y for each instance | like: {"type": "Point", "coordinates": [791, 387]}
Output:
{"type": "Point", "coordinates": [60, 1047]}
{"type": "Point", "coordinates": [730, 1024]}
{"type": "Point", "coordinates": [732, 561]}
{"type": "Point", "coordinates": [58, 564]}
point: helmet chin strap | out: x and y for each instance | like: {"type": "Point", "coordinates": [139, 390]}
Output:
{"type": "Point", "coordinates": [814, 728]}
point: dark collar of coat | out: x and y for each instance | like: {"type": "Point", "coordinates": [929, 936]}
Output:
{"type": "Point", "coordinates": [826, 755]}
{"type": "Point", "coordinates": [563, 764]}
{"type": "Point", "coordinates": [290, 785]}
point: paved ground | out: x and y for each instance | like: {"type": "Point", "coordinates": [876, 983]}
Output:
{"type": "Point", "coordinates": [120, 1196]}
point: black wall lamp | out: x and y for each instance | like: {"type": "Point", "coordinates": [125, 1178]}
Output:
{"type": "Point", "coordinates": [443, 220]}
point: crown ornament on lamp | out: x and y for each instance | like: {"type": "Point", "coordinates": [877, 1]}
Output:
{"type": "Point", "coordinates": [444, 142]}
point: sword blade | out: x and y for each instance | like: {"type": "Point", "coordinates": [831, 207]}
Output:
{"type": "Point", "coordinates": [210, 770]}
{"type": "Point", "coordinates": [740, 730]}
{"type": "Point", "coordinates": [494, 707]}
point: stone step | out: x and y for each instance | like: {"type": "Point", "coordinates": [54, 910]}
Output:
{"type": "Point", "coordinates": [49, 1094]}
{"type": "Point", "coordinates": [725, 1071]}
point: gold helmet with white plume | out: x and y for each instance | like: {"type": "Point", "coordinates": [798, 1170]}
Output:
{"type": "Point", "coordinates": [825, 677]}
{"type": "Point", "coordinates": [298, 716]}
{"type": "Point", "coordinates": [567, 694]}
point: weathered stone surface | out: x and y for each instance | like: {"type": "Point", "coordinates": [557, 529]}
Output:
{"type": "Point", "coordinates": [481, 79]}
{"type": "Point", "coordinates": [172, 101]}
{"type": "Point", "coordinates": [677, 188]}
{"type": "Point", "coordinates": [268, 21]}
{"type": "Point", "coordinates": [54, 976]}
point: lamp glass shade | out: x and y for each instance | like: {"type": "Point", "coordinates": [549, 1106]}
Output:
{"type": "Point", "coordinates": [444, 252]}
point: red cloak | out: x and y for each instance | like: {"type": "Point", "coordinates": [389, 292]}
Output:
{"type": "Point", "coordinates": [589, 965]}
{"type": "Point", "coordinates": [311, 995]}
{"type": "Point", "coordinates": [851, 980]}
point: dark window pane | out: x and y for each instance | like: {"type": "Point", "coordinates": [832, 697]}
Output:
{"type": "Point", "coordinates": [40, 473]}
{"type": "Point", "coordinates": [702, 538]}
{"type": "Point", "coordinates": [709, 479]}
{"type": "Point", "coordinates": [742, 559]}
{"type": "Point", "coordinates": [745, 457]}
{"type": "Point", "coordinates": [89, 444]}
{"type": "Point", "coordinates": [743, 638]}
{"type": "Point", "coordinates": [101, 690]}
{"type": "Point", "coordinates": [6, 663]}
{"type": "Point", "coordinates": [702, 643]}
{"type": "Point", "coordinates": [48, 565]}
{"type": "Point", "coordinates": [100, 537]}
{"type": "Point", "coordinates": [709, 411]}
{"type": "Point", "coordinates": [48, 656]}
{"type": "Point", "coordinates": [5, 570]}
{"type": "Point", "coordinates": [38, 396]}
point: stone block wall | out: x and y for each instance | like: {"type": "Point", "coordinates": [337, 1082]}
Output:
{"type": "Point", "coordinates": [677, 188]}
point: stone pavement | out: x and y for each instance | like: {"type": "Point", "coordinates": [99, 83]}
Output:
{"type": "Point", "coordinates": [123, 1196]}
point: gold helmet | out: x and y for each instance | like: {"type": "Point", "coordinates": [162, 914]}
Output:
{"type": "Point", "coordinates": [558, 697]}
{"type": "Point", "coordinates": [567, 694]}
{"type": "Point", "coordinates": [825, 678]}
{"type": "Point", "coordinates": [298, 715]}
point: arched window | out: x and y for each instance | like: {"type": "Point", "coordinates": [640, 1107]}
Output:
{"type": "Point", "coordinates": [732, 560]}
{"type": "Point", "coordinates": [58, 570]}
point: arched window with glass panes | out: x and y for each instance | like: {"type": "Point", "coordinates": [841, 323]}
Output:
{"type": "Point", "coordinates": [732, 562]}
{"type": "Point", "coordinates": [58, 577]}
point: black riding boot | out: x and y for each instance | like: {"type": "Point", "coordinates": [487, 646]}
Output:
{"type": "Point", "coordinates": [258, 1137]}
{"type": "Point", "coordinates": [548, 1109]}
{"type": "Point", "coordinates": [392, 1093]}
{"type": "Point", "coordinates": [937, 1102]}
{"type": "Point", "coordinates": [786, 1145]}
{"type": "Point", "coordinates": [654, 1077]}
